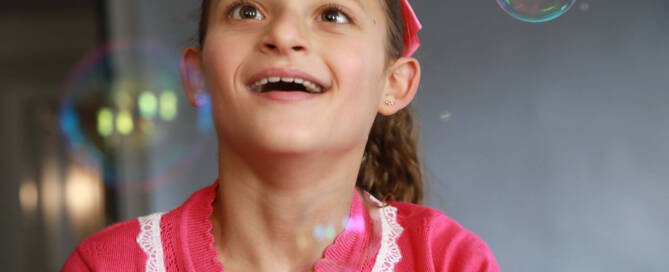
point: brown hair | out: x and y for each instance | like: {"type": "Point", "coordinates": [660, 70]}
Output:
{"type": "Point", "coordinates": [390, 169]}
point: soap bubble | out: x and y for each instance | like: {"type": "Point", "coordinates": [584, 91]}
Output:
{"type": "Point", "coordinates": [108, 113]}
{"type": "Point", "coordinates": [535, 11]}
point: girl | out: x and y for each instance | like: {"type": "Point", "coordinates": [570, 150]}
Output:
{"type": "Point", "coordinates": [317, 157]}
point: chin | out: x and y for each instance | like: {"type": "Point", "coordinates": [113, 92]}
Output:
{"type": "Point", "coordinates": [291, 141]}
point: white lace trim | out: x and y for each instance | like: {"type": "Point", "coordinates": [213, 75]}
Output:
{"type": "Point", "coordinates": [389, 253]}
{"type": "Point", "coordinates": [149, 240]}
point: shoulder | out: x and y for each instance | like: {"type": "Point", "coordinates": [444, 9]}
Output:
{"type": "Point", "coordinates": [449, 245]}
{"type": "Point", "coordinates": [110, 249]}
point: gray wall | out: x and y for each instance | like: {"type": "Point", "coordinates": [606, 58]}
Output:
{"type": "Point", "coordinates": [550, 140]}
{"type": "Point", "coordinates": [557, 148]}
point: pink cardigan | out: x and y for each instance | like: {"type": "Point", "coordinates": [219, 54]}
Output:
{"type": "Point", "coordinates": [410, 238]}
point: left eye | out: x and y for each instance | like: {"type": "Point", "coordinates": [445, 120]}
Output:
{"type": "Point", "coordinates": [334, 16]}
{"type": "Point", "coordinates": [245, 12]}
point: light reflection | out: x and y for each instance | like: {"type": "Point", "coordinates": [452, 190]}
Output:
{"type": "Point", "coordinates": [51, 193]}
{"type": "Point", "coordinates": [146, 126]}
{"type": "Point", "coordinates": [28, 196]}
{"type": "Point", "coordinates": [148, 104]}
{"type": "Point", "coordinates": [105, 122]}
{"type": "Point", "coordinates": [83, 194]}
{"type": "Point", "coordinates": [121, 97]}
{"type": "Point", "coordinates": [124, 123]}
{"type": "Point", "coordinates": [168, 105]}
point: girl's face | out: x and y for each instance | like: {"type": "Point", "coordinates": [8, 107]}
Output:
{"type": "Point", "coordinates": [337, 44]}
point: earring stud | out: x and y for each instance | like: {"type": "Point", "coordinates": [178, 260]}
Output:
{"type": "Point", "coordinates": [389, 101]}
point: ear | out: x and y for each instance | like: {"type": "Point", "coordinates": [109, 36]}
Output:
{"type": "Point", "coordinates": [401, 85]}
{"type": "Point", "coordinates": [192, 77]}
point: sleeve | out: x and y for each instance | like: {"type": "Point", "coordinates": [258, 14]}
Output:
{"type": "Point", "coordinates": [75, 263]}
{"type": "Point", "coordinates": [455, 249]}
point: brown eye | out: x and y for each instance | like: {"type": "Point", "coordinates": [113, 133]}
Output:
{"type": "Point", "coordinates": [245, 12]}
{"type": "Point", "coordinates": [334, 15]}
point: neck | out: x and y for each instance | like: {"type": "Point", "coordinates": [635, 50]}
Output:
{"type": "Point", "coordinates": [272, 212]}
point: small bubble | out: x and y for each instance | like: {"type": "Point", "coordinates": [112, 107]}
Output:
{"type": "Point", "coordinates": [319, 233]}
{"type": "Point", "coordinates": [329, 232]}
{"type": "Point", "coordinates": [445, 116]}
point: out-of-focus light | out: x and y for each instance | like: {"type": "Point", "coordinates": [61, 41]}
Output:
{"type": "Point", "coordinates": [168, 105]}
{"type": "Point", "coordinates": [51, 193]}
{"type": "Point", "coordinates": [148, 104]}
{"type": "Point", "coordinates": [204, 122]}
{"type": "Point", "coordinates": [124, 123]}
{"type": "Point", "coordinates": [122, 98]}
{"type": "Point", "coordinates": [319, 232]}
{"type": "Point", "coordinates": [329, 232]}
{"type": "Point", "coordinates": [105, 122]}
{"type": "Point", "coordinates": [28, 196]}
{"type": "Point", "coordinates": [83, 193]}
{"type": "Point", "coordinates": [145, 125]}
{"type": "Point", "coordinates": [70, 126]}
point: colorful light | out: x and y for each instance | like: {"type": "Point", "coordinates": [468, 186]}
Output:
{"type": "Point", "coordinates": [168, 105]}
{"type": "Point", "coordinates": [124, 122]}
{"type": "Point", "coordinates": [105, 122]}
{"type": "Point", "coordinates": [148, 104]}
{"type": "Point", "coordinates": [28, 196]}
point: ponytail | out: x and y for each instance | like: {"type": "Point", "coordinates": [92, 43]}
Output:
{"type": "Point", "coordinates": [390, 169]}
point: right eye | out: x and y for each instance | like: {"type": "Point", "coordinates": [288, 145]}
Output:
{"type": "Point", "coordinates": [245, 12]}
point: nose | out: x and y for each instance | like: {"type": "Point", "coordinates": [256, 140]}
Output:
{"type": "Point", "coordinates": [284, 36]}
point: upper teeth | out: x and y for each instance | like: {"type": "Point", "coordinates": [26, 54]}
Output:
{"type": "Point", "coordinates": [310, 86]}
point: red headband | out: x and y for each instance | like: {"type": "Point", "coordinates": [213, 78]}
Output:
{"type": "Point", "coordinates": [411, 28]}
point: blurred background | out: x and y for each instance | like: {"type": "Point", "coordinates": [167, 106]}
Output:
{"type": "Point", "coordinates": [549, 140]}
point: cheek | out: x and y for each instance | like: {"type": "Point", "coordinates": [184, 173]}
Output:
{"type": "Point", "coordinates": [358, 69]}
{"type": "Point", "coordinates": [220, 57]}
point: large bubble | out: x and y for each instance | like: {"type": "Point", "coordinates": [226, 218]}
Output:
{"type": "Point", "coordinates": [535, 11]}
{"type": "Point", "coordinates": [123, 111]}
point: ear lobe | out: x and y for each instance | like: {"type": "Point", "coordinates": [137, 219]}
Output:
{"type": "Point", "coordinates": [401, 85]}
{"type": "Point", "coordinates": [192, 78]}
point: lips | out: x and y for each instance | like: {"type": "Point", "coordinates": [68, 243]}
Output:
{"type": "Point", "coordinates": [286, 80]}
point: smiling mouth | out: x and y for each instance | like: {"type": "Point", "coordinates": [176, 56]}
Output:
{"type": "Point", "coordinates": [286, 84]}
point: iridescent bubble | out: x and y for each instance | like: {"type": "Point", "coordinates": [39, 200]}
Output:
{"type": "Point", "coordinates": [126, 97]}
{"type": "Point", "coordinates": [535, 11]}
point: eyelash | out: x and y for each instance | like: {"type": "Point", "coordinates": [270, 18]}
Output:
{"type": "Point", "coordinates": [328, 7]}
